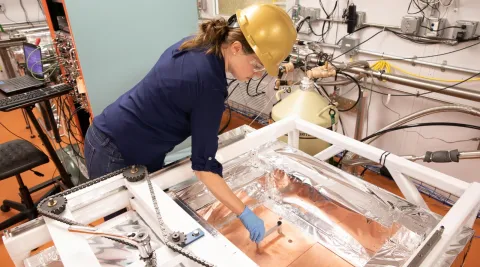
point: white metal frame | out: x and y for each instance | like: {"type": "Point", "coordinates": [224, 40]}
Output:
{"type": "Point", "coordinates": [219, 250]}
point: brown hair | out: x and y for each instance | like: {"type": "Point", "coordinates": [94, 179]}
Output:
{"type": "Point", "coordinates": [213, 34]}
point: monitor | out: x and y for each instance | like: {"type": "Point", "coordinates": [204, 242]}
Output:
{"type": "Point", "coordinates": [33, 60]}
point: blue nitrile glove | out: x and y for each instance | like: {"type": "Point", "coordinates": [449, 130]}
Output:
{"type": "Point", "coordinates": [254, 225]}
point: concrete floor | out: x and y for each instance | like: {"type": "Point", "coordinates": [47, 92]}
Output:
{"type": "Point", "coordinates": [9, 189]}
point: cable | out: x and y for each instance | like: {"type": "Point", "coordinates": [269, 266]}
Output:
{"type": "Point", "coordinates": [359, 91]}
{"type": "Point", "coordinates": [413, 126]}
{"type": "Point", "coordinates": [5, 14]}
{"type": "Point", "coordinates": [449, 27]}
{"type": "Point", "coordinates": [384, 65]}
{"type": "Point", "coordinates": [421, 125]}
{"type": "Point", "coordinates": [368, 39]}
{"type": "Point", "coordinates": [356, 30]}
{"type": "Point", "coordinates": [25, 12]}
{"type": "Point", "coordinates": [248, 85]}
{"type": "Point", "coordinates": [442, 54]}
{"type": "Point", "coordinates": [228, 106]}
{"type": "Point", "coordinates": [258, 84]}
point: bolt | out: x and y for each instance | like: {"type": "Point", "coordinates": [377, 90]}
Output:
{"type": "Point", "coordinates": [196, 233]}
{"type": "Point", "coordinates": [52, 202]}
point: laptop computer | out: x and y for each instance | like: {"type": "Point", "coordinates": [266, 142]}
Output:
{"type": "Point", "coordinates": [34, 73]}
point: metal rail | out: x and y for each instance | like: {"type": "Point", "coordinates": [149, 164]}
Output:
{"type": "Point", "coordinates": [421, 84]}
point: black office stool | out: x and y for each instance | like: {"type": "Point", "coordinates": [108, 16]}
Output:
{"type": "Point", "coordinates": [16, 157]}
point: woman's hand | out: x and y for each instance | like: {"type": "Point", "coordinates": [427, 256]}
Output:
{"type": "Point", "coordinates": [254, 225]}
{"type": "Point", "coordinates": [224, 194]}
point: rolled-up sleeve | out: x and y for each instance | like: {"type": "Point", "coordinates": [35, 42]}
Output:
{"type": "Point", "coordinates": [205, 122]}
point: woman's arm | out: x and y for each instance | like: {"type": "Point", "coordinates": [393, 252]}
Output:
{"type": "Point", "coordinates": [221, 191]}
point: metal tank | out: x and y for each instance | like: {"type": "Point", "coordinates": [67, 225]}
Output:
{"type": "Point", "coordinates": [309, 105]}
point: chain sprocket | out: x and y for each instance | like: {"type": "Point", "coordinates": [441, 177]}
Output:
{"type": "Point", "coordinates": [178, 238]}
{"type": "Point", "coordinates": [55, 205]}
{"type": "Point", "coordinates": [136, 173]}
{"type": "Point", "coordinates": [163, 227]}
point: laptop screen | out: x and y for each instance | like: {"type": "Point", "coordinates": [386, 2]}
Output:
{"type": "Point", "coordinates": [33, 59]}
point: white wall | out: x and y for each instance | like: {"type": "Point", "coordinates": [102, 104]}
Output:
{"type": "Point", "coordinates": [403, 142]}
{"type": "Point", "coordinates": [15, 13]}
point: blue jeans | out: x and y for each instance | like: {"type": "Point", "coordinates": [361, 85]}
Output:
{"type": "Point", "coordinates": [101, 155]}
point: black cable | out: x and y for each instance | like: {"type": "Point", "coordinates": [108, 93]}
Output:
{"type": "Point", "coordinates": [248, 86]}
{"type": "Point", "coordinates": [420, 10]}
{"type": "Point", "coordinates": [258, 84]}
{"type": "Point", "coordinates": [368, 39]}
{"type": "Point", "coordinates": [228, 106]}
{"type": "Point", "coordinates": [232, 91]}
{"type": "Point", "coordinates": [356, 30]}
{"type": "Point", "coordinates": [41, 7]}
{"type": "Point", "coordinates": [453, 124]}
{"type": "Point", "coordinates": [450, 27]}
{"type": "Point", "coordinates": [442, 54]}
{"type": "Point", "coordinates": [413, 126]}
{"type": "Point", "coordinates": [426, 93]}
{"type": "Point", "coordinates": [359, 91]}
{"type": "Point", "coordinates": [25, 12]}
{"type": "Point", "coordinates": [69, 130]}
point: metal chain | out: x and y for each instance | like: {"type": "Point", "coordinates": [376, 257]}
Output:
{"type": "Point", "coordinates": [59, 218]}
{"type": "Point", "coordinates": [163, 228]}
{"type": "Point", "coordinates": [165, 231]}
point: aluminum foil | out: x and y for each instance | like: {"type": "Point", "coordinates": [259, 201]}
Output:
{"type": "Point", "coordinates": [359, 222]}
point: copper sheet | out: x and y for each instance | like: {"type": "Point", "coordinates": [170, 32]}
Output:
{"type": "Point", "coordinates": [345, 218]}
{"type": "Point", "coordinates": [318, 255]}
{"type": "Point", "coordinates": [278, 251]}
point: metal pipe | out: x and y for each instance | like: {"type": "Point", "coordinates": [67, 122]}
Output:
{"type": "Point", "coordinates": [140, 239]}
{"type": "Point", "coordinates": [363, 161]}
{"type": "Point", "coordinates": [376, 25]}
{"type": "Point", "coordinates": [413, 61]}
{"type": "Point", "coordinates": [362, 110]}
{"type": "Point", "coordinates": [20, 26]}
{"type": "Point", "coordinates": [418, 83]}
{"type": "Point", "coordinates": [425, 112]}
{"type": "Point", "coordinates": [470, 155]}
{"type": "Point", "coordinates": [333, 83]}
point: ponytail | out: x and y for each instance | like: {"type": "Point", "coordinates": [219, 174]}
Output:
{"type": "Point", "coordinates": [213, 34]}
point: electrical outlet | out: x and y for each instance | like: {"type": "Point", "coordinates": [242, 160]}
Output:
{"type": "Point", "coordinates": [350, 46]}
{"type": "Point", "coordinates": [410, 25]}
{"type": "Point", "coordinates": [2, 7]}
{"type": "Point", "coordinates": [434, 27]}
{"type": "Point", "coordinates": [464, 29]}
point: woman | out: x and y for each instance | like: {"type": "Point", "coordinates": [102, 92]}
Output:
{"type": "Point", "coordinates": [183, 95]}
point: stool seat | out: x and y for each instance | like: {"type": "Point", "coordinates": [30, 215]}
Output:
{"type": "Point", "coordinates": [18, 156]}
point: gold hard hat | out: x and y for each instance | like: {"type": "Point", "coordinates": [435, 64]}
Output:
{"type": "Point", "coordinates": [269, 31]}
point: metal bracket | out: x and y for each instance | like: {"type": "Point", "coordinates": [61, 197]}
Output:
{"type": "Point", "coordinates": [413, 60]}
{"type": "Point", "coordinates": [193, 236]}
{"type": "Point", "coordinates": [444, 63]}
{"type": "Point", "coordinates": [422, 254]}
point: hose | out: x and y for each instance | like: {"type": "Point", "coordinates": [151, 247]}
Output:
{"type": "Point", "coordinates": [425, 112]}
{"type": "Point", "coordinates": [462, 125]}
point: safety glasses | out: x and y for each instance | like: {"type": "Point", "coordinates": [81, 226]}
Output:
{"type": "Point", "coordinates": [257, 66]}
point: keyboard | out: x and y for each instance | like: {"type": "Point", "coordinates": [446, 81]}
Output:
{"type": "Point", "coordinates": [33, 96]}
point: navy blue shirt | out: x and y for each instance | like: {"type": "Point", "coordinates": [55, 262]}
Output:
{"type": "Point", "coordinates": [183, 95]}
